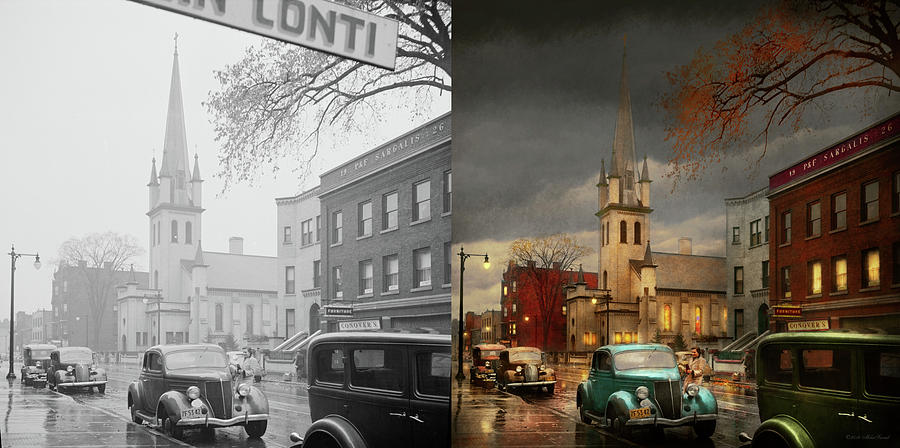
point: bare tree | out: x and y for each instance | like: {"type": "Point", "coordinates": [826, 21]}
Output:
{"type": "Point", "coordinates": [544, 261]}
{"type": "Point", "coordinates": [277, 99]}
{"type": "Point", "coordinates": [785, 61]}
{"type": "Point", "coordinates": [96, 258]}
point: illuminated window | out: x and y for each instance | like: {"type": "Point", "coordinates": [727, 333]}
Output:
{"type": "Point", "coordinates": [698, 319]}
{"type": "Point", "coordinates": [815, 277]}
{"type": "Point", "coordinates": [667, 318]}
{"type": "Point", "coordinates": [618, 338]}
{"type": "Point", "coordinates": [871, 268]}
{"type": "Point", "coordinates": [839, 268]}
{"type": "Point", "coordinates": [786, 282]}
{"type": "Point", "coordinates": [627, 337]}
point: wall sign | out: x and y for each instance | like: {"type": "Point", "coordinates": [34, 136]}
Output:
{"type": "Point", "coordinates": [360, 325]}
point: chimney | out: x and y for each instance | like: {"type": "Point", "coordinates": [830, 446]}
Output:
{"type": "Point", "coordinates": [236, 245]}
{"type": "Point", "coordinates": [684, 246]}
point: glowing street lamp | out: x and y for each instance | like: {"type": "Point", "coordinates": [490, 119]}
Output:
{"type": "Point", "coordinates": [463, 256]}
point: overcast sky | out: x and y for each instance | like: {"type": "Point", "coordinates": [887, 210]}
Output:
{"type": "Point", "coordinates": [536, 92]}
{"type": "Point", "coordinates": [84, 89]}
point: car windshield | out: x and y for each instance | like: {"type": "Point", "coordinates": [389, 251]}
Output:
{"type": "Point", "coordinates": [645, 359]}
{"type": "Point", "coordinates": [525, 357]}
{"type": "Point", "coordinates": [76, 356]}
{"type": "Point", "coordinates": [40, 354]}
{"type": "Point", "coordinates": [195, 358]}
{"type": "Point", "coordinates": [487, 353]}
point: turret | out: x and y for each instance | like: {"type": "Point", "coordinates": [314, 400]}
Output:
{"type": "Point", "coordinates": [645, 185]}
{"type": "Point", "coordinates": [615, 179]}
{"type": "Point", "coordinates": [153, 185]}
{"type": "Point", "coordinates": [603, 186]}
{"type": "Point", "coordinates": [196, 184]}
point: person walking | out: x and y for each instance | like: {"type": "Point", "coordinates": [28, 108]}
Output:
{"type": "Point", "coordinates": [300, 364]}
{"type": "Point", "coordinates": [696, 367]}
{"type": "Point", "coordinates": [251, 366]}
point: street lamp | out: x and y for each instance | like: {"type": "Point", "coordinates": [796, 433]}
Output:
{"type": "Point", "coordinates": [146, 300]}
{"type": "Point", "coordinates": [607, 298]}
{"type": "Point", "coordinates": [12, 300]}
{"type": "Point", "coordinates": [85, 318]}
{"type": "Point", "coordinates": [463, 256]}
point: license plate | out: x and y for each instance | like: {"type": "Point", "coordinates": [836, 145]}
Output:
{"type": "Point", "coordinates": [192, 412]}
{"type": "Point", "coordinates": [640, 413]}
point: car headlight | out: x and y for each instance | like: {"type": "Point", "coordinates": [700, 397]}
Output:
{"type": "Point", "coordinates": [193, 392]}
{"type": "Point", "coordinates": [543, 367]}
{"type": "Point", "coordinates": [243, 389]}
{"type": "Point", "coordinates": [518, 369]}
{"type": "Point", "coordinates": [70, 369]}
{"type": "Point", "coordinates": [692, 390]}
{"type": "Point", "coordinates": [642, 392]}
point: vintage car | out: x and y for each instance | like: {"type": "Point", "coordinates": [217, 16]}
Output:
{"type": "Point", "coordinates": [830, 388]}
{"type": "Point", "coordinates": [378, 390]}
{"type": "Point", "coordinates": [189, 386]}
{"type": "Point", "coordinates": [634, 386]}
{"type": "Point", "coordinates": [485, 358]}
{"type": "Point", "coordinates": [523, 367]}
{"type": "Point", "coordinates": [74, 367]}
{"type": "Point", "coordinates": [35, 363]}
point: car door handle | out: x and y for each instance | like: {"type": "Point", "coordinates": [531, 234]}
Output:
{"type": "Point", "coordinates": [844, 414]}
{"type": "Point", "coordinates": [395, 414]}
{"type": "Point", "coordinates": [863, 418]}
{"type": "Point", "coordinates": [416, 418]}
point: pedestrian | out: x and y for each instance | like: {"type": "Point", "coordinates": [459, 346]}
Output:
{"type": "Point", "coordinates": [300, 364]}
{"type": "Point", "coordinates": [696, 368]}
{"type": "Point", "coordinates": [251, 366]}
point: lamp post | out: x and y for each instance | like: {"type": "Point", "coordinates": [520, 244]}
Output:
{"type": "Point", "coordinates": [12, 300]}
{"type": "Point", "coordinates": [85, 319]}
{"type": "Point", "coordinates": [463, 256]}
{"type": "Point", "coordinates": [607, 298]}
{"type": "Point", "coordinates": [146, 300]}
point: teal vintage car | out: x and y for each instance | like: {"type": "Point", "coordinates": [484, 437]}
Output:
{"type": "Point", "coordinates": [828, 388]}
{"type": "Point", "coordinates": [638, 386]}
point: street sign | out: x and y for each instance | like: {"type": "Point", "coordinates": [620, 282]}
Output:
{"type": "Point", "coordinates": [338, 311]}
{"type": "Point", "coordinates": [360, 325]}
{"type": "Point", "coordinates": [316, 24]}
{"type": "Point", "coordinates": [809, 325]}
{"type": "Point", "coordinates": [786, 311]}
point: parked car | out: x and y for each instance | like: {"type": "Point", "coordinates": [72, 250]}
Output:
{"type": "Point", "coordinates": [378, 390]}
{"type": "Point", "coordinates": [74, 367]}
{"type": "Point", "coordinates": [634, 386]}
{"type": "Point", "coordinates": [35, 364]}
{"type": "Point", "coordinates": [523, 367]}
{"type": "Point", "coordinates": [828, 388]}
{"type": "Point", "coordinates": [188, 386]}
{"type": "Point", "coordinates": [485, 358]}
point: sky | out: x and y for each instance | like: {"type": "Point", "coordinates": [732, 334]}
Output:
{"type": "Point", "coordinates": [83, 95]}
{"type": "Point", "coordinates": [535, 97]}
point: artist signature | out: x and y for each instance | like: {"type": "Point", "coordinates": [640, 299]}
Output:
{"type": "Point", "coordinates": [868, 436]}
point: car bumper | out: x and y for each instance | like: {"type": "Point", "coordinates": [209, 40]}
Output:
{"type": "Point", "coordinates": [532, 383]}
{"type": "Point", "coordinates": [83, 384]}
{"type": "Point", "coordinates": [212, 421]}
{"type": "Point", "coordinates": [656, 421]}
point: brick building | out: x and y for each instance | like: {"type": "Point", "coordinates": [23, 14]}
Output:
{"type": "Point", "coordinates": [835, 254]}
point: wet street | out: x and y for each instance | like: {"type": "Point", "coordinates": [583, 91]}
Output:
{"type": "Point", "coordinates": [489, 417]}
{"type": "Point", "coordinates": [44, 418]}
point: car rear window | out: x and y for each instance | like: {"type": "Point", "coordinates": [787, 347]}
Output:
{"type": "Point", "coordinates": [433, 373]}
{"type": "Point", "coordinates": [379, 368]}
{"type": "Point", "coordinates": [778, 364]}
{"type": "Point", "coordinates": [330, 366]}
{"type": "Point", "coordinates": [883, 372]}
{"type": "Point", "coordinates": [825, 369]}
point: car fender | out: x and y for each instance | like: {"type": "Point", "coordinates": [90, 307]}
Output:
{"type": "Point", "coordinates": [60, 376]}
{"type": "Point", "coordinates": [256, 401]}
{"type": "Point", "coordinates": [791, 430]}
{"type": "Point", "coordinates": [135, 396]}
{"type": "Point", "coordinates": [583, 397]}
{"type": "Point", "coordinates": [173, 402]}
{"type": "Point", "coordinates": [622, 401]}
{"type": "Point", "coordinates": [703, 403]}
{"type": "Point", "coordinates": [337, 428]}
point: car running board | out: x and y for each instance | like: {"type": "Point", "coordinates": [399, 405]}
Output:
{"type": "Point", "coordinates": [600, 420]}
{"type": "Point", "coordinates": [148, 419]}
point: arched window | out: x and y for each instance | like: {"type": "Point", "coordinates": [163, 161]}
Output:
{"type": "Point", "coordinates": [188, 231]}
{"type": "Point", "coordinates": [602, 228]}
{"type": "Point", "coordinates": [604, 280]}
{"type": "Point", "coordinates": [249, 319]}
{"type": "Point", "coordinates": [155, 279]}
{"type": "Point", "coordinates": [623, 232]}
{"type": "Point", "coordinates": [174, 231]}
{"type": "Point", "coordinates": [313, 318]}
{"type": "Point", "coordinates": [667, 318]}
{"type": "Point", "coordinates": [218, 317]}
{"type": "Point", "coordinates": [637, 233]}
{"type": "Point", "coordinates": [698, 319]}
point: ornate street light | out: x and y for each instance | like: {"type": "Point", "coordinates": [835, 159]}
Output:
{"type": "Point", "coordinates": [463, 256]}
{"type": "Point", "coordinates": [146, 301]}
{"type": "Point", "coordinates": [12, 300]}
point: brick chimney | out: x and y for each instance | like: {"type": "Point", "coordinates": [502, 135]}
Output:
{"type": "Point", "coordinates": [684, 246]}
{"type": "Point", "coordinates": [236, 245]}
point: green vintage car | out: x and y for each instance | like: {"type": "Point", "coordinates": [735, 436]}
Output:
{"type": "Point", "coordinates": [831, 388]}
{"type": "Point", "coordinates": [638, 386]}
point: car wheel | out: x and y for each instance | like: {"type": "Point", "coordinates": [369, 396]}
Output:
{"type": "Point", "coordinates": [620, 427]}
{"type": "Point", "coordinates": [581, 412]}
{"type": "Point", "coordinates": [550, 388]}
{"type": "Point", "coordinates": [705, 429]}
{"type": "Point", "coordinates": [256, 429]}
{"type": "Point", "coordinates": [101, 388]}
{"type": "Point", "coordinates": [134, 416]}
{"type": "Point", "coordinates": [209, 433]}
{"type": "Point", "coordinates": [170, 428]}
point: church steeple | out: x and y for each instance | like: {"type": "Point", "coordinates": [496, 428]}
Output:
{"type": "Point", "coordinates": [623, 144]}
{"type": "Point", "coordinates": [175, 163]}
{"type": "Point", "coordinates": [154, 179]}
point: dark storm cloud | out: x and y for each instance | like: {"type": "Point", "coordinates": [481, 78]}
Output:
{"type": "Point", "coordinates": [536, 89]}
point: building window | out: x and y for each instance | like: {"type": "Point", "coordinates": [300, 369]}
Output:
{"type": "Point", "coordinates": [391, 269]}
{"type": "Point", "coordinates": [287, 235]}
{"type": "Point", "coordinates": [317, 273]}
{"type": "Point", "coordinates": [365, 218]}
{"type": "Point", "coordinates": [448, 192]}
{"type": "Point", "coordinates": [871, 274]}
{"type": "Point", "coordinates": [422, 260]}
{"type": "Point", "coordinates": [306, 232]}
{"type": "Point", "coordinates": [607, 233]}
{"type": "Point", "coordinates": [766, 240]}
{"type": "Point", "coordinates": [895, 193]}
{"type": "Point", "coordinates": [839, 211]}
{"type": "Point", "coordinates": [869, 207]}
{"type": "Point", "coordinates": [218, 317]}
{"type": "Point", "coordinates": [786, 283]}
{"type": "Point", "coordinates": [249, 319]}
{"type": "Point", "coordinates": [735, 235]}
{"type": "Point", "coordinates": [448, 258]}
{"type": "Point", "coordinates": [623, 232]}
{"type": "Point", "coordinates": [158, 234]}
{"type": "Point", "coordinates": [318, 228]}
{"type": "Point", "coordinates": [814, 277]}
{"type": "Point", "coordinates": [786, 227]}
{"type": "Point", "coordinates": [337, 227]}
{"type": "Point", "coordinates": [765, 274]}
{"type": "Point", "coordinates": [389, 214]}
{"type": "Point", "coordinates": [421, 200]}
{"type": "Point", "coordinates": [814, 219]}
{"type": "Point", "coordinates": [738, 279]}
{"type": "Point", "coordinates": [667, 318]}
{"type": "Point", "coordinates": [365, 277]}
{"type": "Point", "coordinates": [174, 231]}
{"type": "Point", "coordinates": [336, 283]}
{"type": "Point", "coordinates": [698, 319]}
{"type": "Point", "coordinates": [755, 234]}
{"type": "Point", "coordinates": [896, 264]}
{"type": "Point", "coordinates": [637, 233]}
{"type": "Point", "coordinates": [188, 231]}
{"type": "Point", "coordinates": [155, 279]}
{"type": "Point", "coordinates": [289, 280]}
{"type": "Point", "coordinates": [839, 273]}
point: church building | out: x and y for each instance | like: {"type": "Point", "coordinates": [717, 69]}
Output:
{"type": "Point", "coordinates": [193, 295]}
{"type": "Point", "coordinates": [641, 292]}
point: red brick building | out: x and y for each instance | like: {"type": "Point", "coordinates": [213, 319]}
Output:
{"type": "Point", "coordinates": [521, 316]}
{"type": "Point", "coordinates": [835, 250]}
